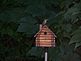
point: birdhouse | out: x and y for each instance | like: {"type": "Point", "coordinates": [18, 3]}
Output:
{"type": "Point", "coordinates": [45, 37]}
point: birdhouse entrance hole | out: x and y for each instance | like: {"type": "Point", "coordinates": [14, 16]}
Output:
{"type": "Point", "coordinates": [45, 33]}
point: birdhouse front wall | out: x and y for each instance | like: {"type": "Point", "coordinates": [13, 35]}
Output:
{"type": "Point", "coordinates": [45, 38]}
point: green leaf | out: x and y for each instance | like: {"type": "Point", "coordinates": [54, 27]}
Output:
{"type": "Point", "coordinates": [77, 44]}
{"type": "Point", "coordinates": [78, 31]}
{"type": "Point", "coordinates": [28, 25]}
{"type": "Point", "coordinates": [71, 13]}
{"type": "Point", "coordinates": [76, 38]}
{"type": "Point", "coordinates": [68, 27]}
{"type": "Point", "coordinates": [12, 15]}
{"type": "Point", "coordinates": [35, 51]}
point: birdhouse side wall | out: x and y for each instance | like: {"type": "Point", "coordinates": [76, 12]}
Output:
{"type": "Point", "coordinates": [45, 40]}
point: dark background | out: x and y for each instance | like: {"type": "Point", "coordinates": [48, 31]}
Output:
{"type": "Point", "coordinates": [19, 22]}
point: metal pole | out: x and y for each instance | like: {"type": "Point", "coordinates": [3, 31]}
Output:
{"type": "Point", "coordinates": [46, 56]}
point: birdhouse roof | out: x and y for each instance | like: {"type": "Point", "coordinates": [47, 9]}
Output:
{"type": "Point", "coordinates": [42, 29]}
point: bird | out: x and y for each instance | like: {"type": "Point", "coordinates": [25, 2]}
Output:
{"type": "Point", "coordinates": [45, 21]}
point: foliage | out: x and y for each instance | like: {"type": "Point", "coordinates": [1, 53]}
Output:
{"type": "Point", "coordinates": [64, 19]}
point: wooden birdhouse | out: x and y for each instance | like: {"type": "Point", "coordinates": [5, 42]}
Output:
{"type": "Point", "coordinates": [45, 37]}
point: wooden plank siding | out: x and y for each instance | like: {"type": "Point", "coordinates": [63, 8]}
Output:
{"type": "Point", "coordinates": [45, 37]}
